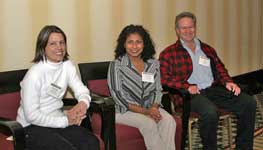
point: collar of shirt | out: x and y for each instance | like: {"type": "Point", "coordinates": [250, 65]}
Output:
{"type": "Point", "coordinates": [125, 61]}
{"type": "Point", "coordinates": [197, 46]}
{"type": "Point", "coordinates": [202, 76]}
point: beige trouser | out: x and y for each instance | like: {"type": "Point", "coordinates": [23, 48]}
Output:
{"type": "Point", "coordinates": [157, 136]}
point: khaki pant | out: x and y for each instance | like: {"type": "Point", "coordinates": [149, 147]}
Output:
{"type": "Point", "coordinates": [157, 136]}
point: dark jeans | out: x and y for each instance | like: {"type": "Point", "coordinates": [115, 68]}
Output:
{"type": "Point", "coordinates": [69, 138]}
{"type": "Point", "coordinates": [243, 106]}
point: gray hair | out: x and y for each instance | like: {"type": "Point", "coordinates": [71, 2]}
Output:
{"type": "Point", "coordinates": [183, 15]}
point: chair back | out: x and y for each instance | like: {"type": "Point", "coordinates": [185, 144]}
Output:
{"type": "Point", "coordinates": [94, 76]}
{"type": "Point", "coordinates": [10, 93]}
{"type": "Point", "coordinates": [9, 103]}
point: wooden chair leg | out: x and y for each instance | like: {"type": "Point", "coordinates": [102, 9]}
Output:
{"type": "Point", "coordinates": [229, 129]}
{"type": "Point", "coordinates": [190, 134]}
{"type": "Point", "coordinates": [190, 131]}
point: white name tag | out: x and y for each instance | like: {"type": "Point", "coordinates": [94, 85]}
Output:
{"type": "Point", "coordinates": [204, 61]}
{"type": "Point", "coordinates": [147, 77]}
{"type": "Point", "coordinates": [54, 90]}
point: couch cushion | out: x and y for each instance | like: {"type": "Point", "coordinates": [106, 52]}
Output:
{"type": "Point", "coordinates": [9, 104]}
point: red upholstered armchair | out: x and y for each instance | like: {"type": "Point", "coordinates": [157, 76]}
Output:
{"type": "Point", "coordinates": [121, 137]}
{"type": "Point", "coordinates": [9, 103]}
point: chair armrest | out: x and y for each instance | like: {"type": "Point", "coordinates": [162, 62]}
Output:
{"type": "Point", "coordinates": [108, 101]}
{"type": "Point", "coordinates": [186, 109]}
{"type": "Point", "coordinates": [69, 101]}
{"type": "Point", "coordinates": [106, 108]}
{"type": "Point", "coordinates": [16, 130]}
{"type": "Point", "coordinates": [182, 92]}
{"type": "Point", "coordinates": [249, 89]}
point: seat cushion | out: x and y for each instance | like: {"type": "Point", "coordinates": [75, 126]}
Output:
{"type": "Point", "coordinates": [128, 138]}
{"type": "Point", "coordinates": [4, 143]}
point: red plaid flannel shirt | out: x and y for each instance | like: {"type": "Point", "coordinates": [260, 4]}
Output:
{"type": "Point", "coordinates": [176, 66]}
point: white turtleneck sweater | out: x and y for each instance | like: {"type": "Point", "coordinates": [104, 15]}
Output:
{"type": "Point", "coordinates": [37, 106]}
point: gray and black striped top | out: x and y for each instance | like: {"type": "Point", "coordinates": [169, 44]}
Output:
{"type": "Point", "coordinates": [126, 85]}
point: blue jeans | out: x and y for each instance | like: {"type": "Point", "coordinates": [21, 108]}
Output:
{"type": "Point", "coordinates": [243, 106]}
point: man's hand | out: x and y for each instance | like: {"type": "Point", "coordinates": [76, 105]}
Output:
{"type": "Point", "coordinates": [193, 89]}
{"type": "Point", "coordinates": [233, 88]}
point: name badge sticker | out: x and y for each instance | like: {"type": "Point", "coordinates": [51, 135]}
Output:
{"type": "Point", "coordinates": [54, 90]}
{"type": "Point", "coordinates": [147, 77]}
{"type": "Point", "coordinates": [204, 61]}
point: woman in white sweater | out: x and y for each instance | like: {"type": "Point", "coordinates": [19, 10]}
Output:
{"type": "Point", "coordinates": [42, 90]}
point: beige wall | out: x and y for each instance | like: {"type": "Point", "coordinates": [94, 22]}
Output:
{"type": "Point", "coordinates": [233, 27]}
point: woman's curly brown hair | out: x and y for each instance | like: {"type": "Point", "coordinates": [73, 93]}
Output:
{"type": "Point", "coordinates": [148, 50]}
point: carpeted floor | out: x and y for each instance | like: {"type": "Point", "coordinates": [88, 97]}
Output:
{"type": "Point", "coordinates": [258, 140]}
{"type": "Point", "coordinates": [223, 138]}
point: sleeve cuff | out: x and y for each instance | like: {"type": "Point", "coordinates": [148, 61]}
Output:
{"type": "Point", "coordinates": [86, 102]}
{"type": "Point", "coordinates": [65, 120]}
{"type": "Point", "coordinates": [86, 99]}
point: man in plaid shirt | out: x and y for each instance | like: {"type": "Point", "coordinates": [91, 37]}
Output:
{"type": "Point", "coordinates": [193, 65]}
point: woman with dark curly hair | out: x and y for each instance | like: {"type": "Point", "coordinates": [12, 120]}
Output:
{"type": "Point", "coordinates": [134, 83]}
